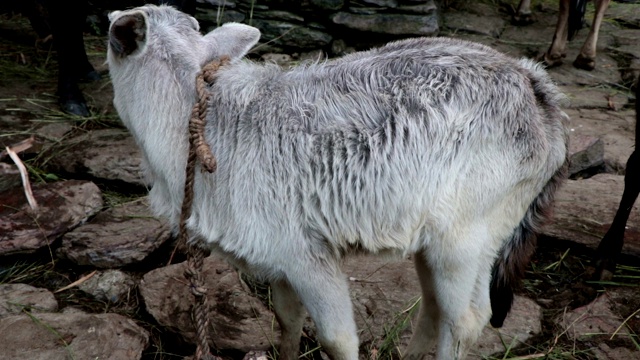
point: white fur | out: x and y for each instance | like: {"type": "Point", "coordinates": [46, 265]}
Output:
{"type": "Point", "coordinates": [432, 147]}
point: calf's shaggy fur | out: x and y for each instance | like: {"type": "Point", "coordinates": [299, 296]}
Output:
{"type": "Point", "coordinates": [439, 148]}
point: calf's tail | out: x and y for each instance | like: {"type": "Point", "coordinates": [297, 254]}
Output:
{"type": "Point", "coordinates": [510, 266]}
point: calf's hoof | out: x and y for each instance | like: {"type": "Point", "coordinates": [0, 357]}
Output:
{"type": "Point", "coordinates": [584, 63]}
{"type": "Point", "coordinates": [74, 107]}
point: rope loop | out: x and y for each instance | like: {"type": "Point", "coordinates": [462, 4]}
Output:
{"type": "Point", "coordinates": [199, 150]}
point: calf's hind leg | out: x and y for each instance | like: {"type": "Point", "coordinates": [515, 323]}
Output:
{"type": "Point", "coordinates": [425, 333]}
{"type": "Point", "coordinates": [459, 268]}
{"type": "Point", "coordinates": [290, 314]}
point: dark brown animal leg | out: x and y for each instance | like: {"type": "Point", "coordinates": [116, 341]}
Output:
{"type": "Point", "coordinates": [553, 56]}
{"type": "Point", "coordinates": [611, 244]}
{"type": "Point", "coordinates": [586, 60]}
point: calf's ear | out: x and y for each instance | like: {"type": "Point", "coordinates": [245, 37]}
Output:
{"type": "Point", "coordinates": [231, 39]}
{"type": "Point", "coordinates": [127, 32]}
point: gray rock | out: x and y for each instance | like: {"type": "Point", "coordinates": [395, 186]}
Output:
{"type": "Point", "coordinates": [615, 128]}
{"type": "Point", "coordinates": [238, 320]}
{"type": "Point", "coordinates": [286, 34]}
{"type": "Point", "coordinates": [111, 286]}
{"type": "Point", "coordinates": [54, 131]}
{"type": "Point", "coordinates": [209, 19]}
{"type": "Point", "coordinates": [328, 4]}
{"type": "Point", "coordinates": [9, 177]}
{"type": "Point", "coordinates": [119, 236]}
{"type": "Point", "coordinates": [592, 320]}
{"type": "Point", "coordinates": [595, 98]}
{"type": "Point", "coordinates": [585, 152]}
{"type": "Point", "coordinates": [627, 14]}
{"type": "Point", "coordinates": [63, 206]}
{"type": "Point", "coordinates": [382, 3]}
{"type": "Point", "coordinates": [604, 352]}
{"type": "Point", "coordinates": [624, 37]}
{"type": "Point", "coordinates": [364, 10]}
{"type": "Point", "coordinates": [628, 57]}
{"type": "Point", "coordinates": [14, 298]}
{"type": "Point", "coordinates": [473, 23]}
{"type": "Point", "coordinates": [605, 73]}
{"type": "Point", "coordinates": [71, 336]}
{"type": "Point", "coordinates": [393, 24]}
{"type": "Point", "coordinates": [584, 210]}
{"type": "Point", "coordinates": [339, 48]}
{"type": "Point", "coordinates": [108, 154]}
{"type": "Point", "coordinates": [425, 7]}
{"type": "Point", "coordinates": [279, 15]}
{"type": "Point", "coordinates": [220, 3]}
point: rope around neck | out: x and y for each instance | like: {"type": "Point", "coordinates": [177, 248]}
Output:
{"type": "Point", "coordinates": [198, 150]}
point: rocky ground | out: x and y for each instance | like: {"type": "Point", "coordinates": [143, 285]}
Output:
{"type": "Point", "coordinates": [87, 275]}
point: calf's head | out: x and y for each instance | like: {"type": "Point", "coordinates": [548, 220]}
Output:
{"type": "Point", "coordinates": [155, 53]}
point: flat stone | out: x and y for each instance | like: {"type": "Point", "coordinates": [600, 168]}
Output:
{"type": "Point", "coordinates": [238, 320]}
{"type": "Point", "coordinates": [604, 352]}
{"type": "Point", "coordinates": [393, 24]}
{"type": "Point", "coordinates": [15, 298]}
{"type": "Point", "coordinates": [210, 19]}
{"type": "Point", "coordinates": [615, 128]}
{"type": "Point", "coordinates": [594, 98]}
{"type": "Point", "coordinates": [9, 177]}
{"type": "Point", "coordinates": [220, 3]}
{"type": "Point", "coordinates": [63, 206]}
{"type": "Point", "coordinates": [585, 152]}
{"type": "Point", "coordinates": [625, 37]}
{"type": "Point", "coordinates": [286, 34]}
{"type": "Point", "coordinates": [279, 15]}
{"type": "Point", "coordinates": [382, 3]}
{"type": "Point", "coordinates": [584, 210]}
{"type": "Point", "coordinates": [425, 7]}
{"type": "Point", "coordinates": [328, 4]}
{"type": "Point", "coordinates": [107, 154]}
{"type": "Point", "coordinates": [110, 286]}
{"type": "Point", "coordinates": [627, 14]}
{"type": "Point", "coordinates": [116, 237]}
{"type": "Point", "coordinates": [593, 320]}
{"type": "Point", "coordinates": [605, 73]}
{"type": "Point", "coordinates": [473, 23]}
{"type": "Point", "coordinates": [54, 131]}
{"type": "Point", "coordinates": [76, 335]}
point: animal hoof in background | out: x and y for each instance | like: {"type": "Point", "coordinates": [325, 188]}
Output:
{"type": "Point", "coordinates": [584, 63]}
{"type": "Point", "coordinates": [71, 99]}
{"type": "Point", "coordinates": [91, 76]}
{"type": "Point", "coordinates": [550, 61]}
{"type": "Point", "coordinates": [75, 107]}
{"type": "Point", "coordinates": [522, 19]}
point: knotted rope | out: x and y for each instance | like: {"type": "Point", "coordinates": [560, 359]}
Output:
{"type": "Point", "coordinates": [198, 150]}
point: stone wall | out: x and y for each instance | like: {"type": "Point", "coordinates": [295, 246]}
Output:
{"type": "Point", "coordinates": [333, 26]}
